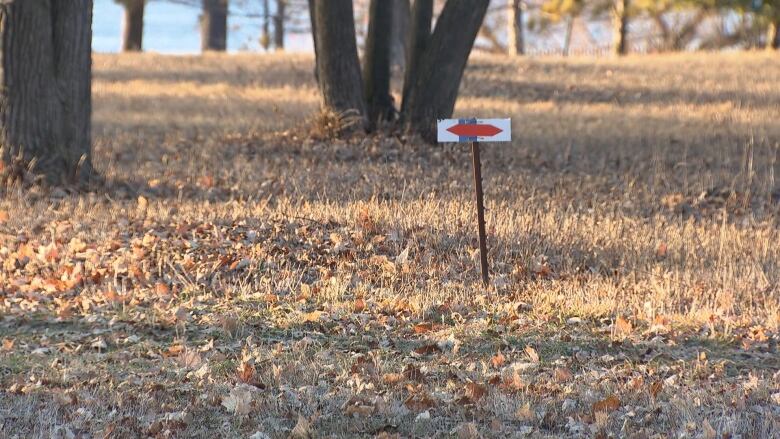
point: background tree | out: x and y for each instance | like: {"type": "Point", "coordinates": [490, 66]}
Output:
{"type": "Point", "coordinates": [376, 66]}
{"type": "Point", "coordinates": [434, 86]}
{"type": "Point", "coordinates": [133, 25]}
{"type": "Point", "coordinates": [213, 25]}
{"type": "Point", "coordinates": [45, 98]}
{"type": "Point", "coordinates": [514, 25]}
{"type": "Point", "coordinates": [279, 21]}
{"type": "Point", "coordinates": [338, 67]}
{"type": "Point", "coordinates": [567, 11]}
{"type": "Point", "coordinates": [265, 36]}
{"type": "Point", "coordinates": [677, 21]}
{"type": "Point", "coordinates": [420, 33]}
{"type": "Point", "coordinates": [434, 72]}
{"type": "Point", "coordinates": [620, 26]}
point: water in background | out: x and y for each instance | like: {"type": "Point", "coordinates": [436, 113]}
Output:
{"type": "Point", "coordinates": [173, 28]}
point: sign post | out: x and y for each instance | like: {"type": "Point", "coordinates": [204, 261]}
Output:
{"type": "Point", "coordinates": [476, 131]}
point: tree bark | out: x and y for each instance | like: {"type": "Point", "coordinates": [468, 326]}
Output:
{"type": "Point", "coordinates": [45, 98]}
{"type": "Point", "coordinates": [437, 79]}
{"type": "Point", "coordinates": [422, 16]}
{"type": "Point", "coordinates": [376, 67]}
{"type": "Point", "coordinates": [133, 26]}
{"type": "Point", "coordinates": [279, 24]}
{"type": "Point", "coordinates": [213, 25]}
{"type": "Point", "coordinates": [514, 25]}
{"type": "Point", "coordinates": [338, 67]}
{"type": "Point", "coordinates": [620, 23]}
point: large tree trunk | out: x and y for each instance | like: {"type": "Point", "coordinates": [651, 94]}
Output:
{"type": "Point", "coordinates": [422, 16]}
{"type": "Point", "coordinates": [514, 25]}
{"type": "Point", "coordinates": [376, 68]}
{"type": "Point", "coordinates": [213, 25]}
{"type": "Point", "coordinates": [279, 24]}
{"type": "Point", "coordinates": [620, 24]}
{"type": "Point", "coordinates": [45, 98]}
{"type": "Point", "coordinates": [773, 36]}
{"type": "Point", "coordinates": [338, 67]}
{"type": "Point", "coordinates": [436, 82]}
{"type": "Point", "coordinates": [133, 26]}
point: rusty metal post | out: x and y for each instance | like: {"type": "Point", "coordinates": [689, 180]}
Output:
{"type": "Point", "coordinates": [480, 211]}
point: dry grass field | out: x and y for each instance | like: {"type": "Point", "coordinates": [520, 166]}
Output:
{"type": "Point", "coordinates": [242, 275]}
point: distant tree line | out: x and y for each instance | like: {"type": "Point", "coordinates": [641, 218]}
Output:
{"type": "Point", "coordinates": [668, 25]}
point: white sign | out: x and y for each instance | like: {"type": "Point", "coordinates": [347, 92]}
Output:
{"type": "Point", "coordinates": [474, 130]}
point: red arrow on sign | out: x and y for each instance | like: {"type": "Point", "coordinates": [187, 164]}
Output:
{"type": "Point", "coordinates": [474, 130]}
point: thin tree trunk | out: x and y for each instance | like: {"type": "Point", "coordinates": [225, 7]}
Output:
{"type": "Point", "coordinates": [213, 25]}
{"type": "Point", "coordinates": [567, 38]}
{"type": "Point", "coordinates": [514, 25]}
{"type": "Point", "coordinates": [265, 36]}
{"type": "Point", "coordinates": [133, 26]}
{"type": "Point", "coordinates": [45, 98]}
{"type": "Point", "coordinates": [438, 76]}
{"type": "Point", "coordinates": [422, 16]}
{"type": "Point", "coordinates": [620, 21]}
{"type": "Point", "coordinates": [376, 67]}
{"type": "Point", "coordinates": [279, 24]}
{"type": "Point", "coordinates": [338, 67]}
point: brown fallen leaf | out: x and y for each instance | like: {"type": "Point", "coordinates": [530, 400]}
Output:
{"type": "Point", "coordinates": [623, 326]}
{"type": "Point", "coordinates": [562, 374]}
{"type": "Point", "coordinates": [511, 380]}
{"type": "Point", "coordinates": [162, 289]}
{"type": "Point", "coordinates": [312, 317]}
{"type": "Point", "coordinates": [359, 406]}
{"type": "Point", "coordinates": [498, 360]}
{"type": "Point", "coordinates": [392, 378]}
{"type": "Point", "coordinates": [661, 250]}
{"type": "Point", "coordinates": [610, 404]}
{"type": "Point", "coordinates": [3, 216]}
{"type": "Point", "coordinates": [419, 402]}
{"type": "Point", "coordinates": [532, 354]}
{"type": "Point", "coordinates": [422, 328]}
{"type": "Point", "coordinates": [475, 392]}
{"type": "Point", "coordinates": [246, 372]}
{"type": "Point", "coordinates": [359, 305]}
{"type": "Point", "coordinates": [8, 345]}
{"type": "Point", "coordinates": [173, 351]}
{"type": "Point", "coordinates": [427, 349]}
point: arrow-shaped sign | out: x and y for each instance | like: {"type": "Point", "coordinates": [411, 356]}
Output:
{"type": "Point", "coordinates": [474, 130]}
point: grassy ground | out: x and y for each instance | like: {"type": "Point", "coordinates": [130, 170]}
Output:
{"type": "Point", "coordinates": [241, 277]}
